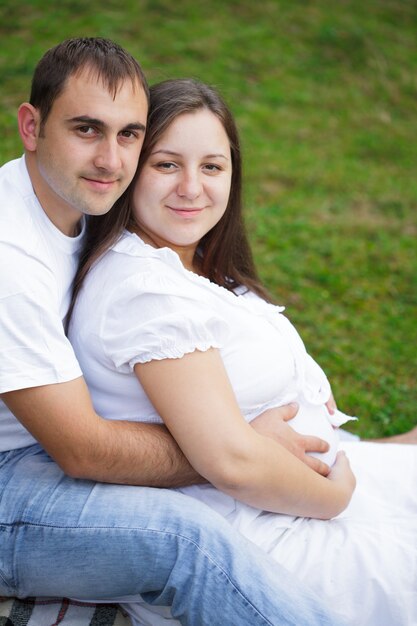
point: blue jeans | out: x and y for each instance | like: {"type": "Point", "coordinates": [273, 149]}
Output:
{"type": "Point", "coordinates": [60, 536]}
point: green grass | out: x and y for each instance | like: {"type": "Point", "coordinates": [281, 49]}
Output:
{"type": "Point", "coordinates": [325, 94]}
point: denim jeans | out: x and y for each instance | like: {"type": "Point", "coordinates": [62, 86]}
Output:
{"type": "Point", "coordinates": [62, 536]}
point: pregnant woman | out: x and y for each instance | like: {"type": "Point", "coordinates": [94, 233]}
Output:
{"type": "Point", "coordinates": [171, 323]}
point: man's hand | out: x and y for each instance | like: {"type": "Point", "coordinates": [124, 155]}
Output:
{"type": "Point", "coordinates": [273, 423]}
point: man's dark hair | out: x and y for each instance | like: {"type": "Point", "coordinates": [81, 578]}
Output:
{"type": "Point", "coordinates": [102, 57]}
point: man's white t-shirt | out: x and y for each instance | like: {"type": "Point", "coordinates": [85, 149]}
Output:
{"type": "Point", "coordinates": [37, 267]}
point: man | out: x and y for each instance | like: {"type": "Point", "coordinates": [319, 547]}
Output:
{"type": "Point", "coordinates": [73, 516]}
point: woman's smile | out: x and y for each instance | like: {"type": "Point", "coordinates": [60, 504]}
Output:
{"type": "Point", "coordinates": [183, 187]}
{"type": "Point", "coordinates": [187, 213]}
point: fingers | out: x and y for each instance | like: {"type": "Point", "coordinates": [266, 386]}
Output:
{"type": "Point", "coordinates": [270, 420]}
{"type": "Point", "coordinates": [331, 404]}
{"type": "Point", "coordinates": [317, 465]}
{"type": "Point", "coordinates": [341, 458]}
{"type": "Point", "coordinates": [341, 470]}
{"type": "Point", "coordinates": [315, 444]}
{"type": "Point", "coordinates": [288, 411]}
{"type": "Point", "coordinates": [341, 463]}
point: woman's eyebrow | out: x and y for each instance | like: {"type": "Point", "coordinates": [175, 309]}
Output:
{"type": "Point", "coordinates": [173, 153]}
{"type": "Point", "coordinates": [215, 156]}
{"type": "Point", "coordinates": [166, 151]}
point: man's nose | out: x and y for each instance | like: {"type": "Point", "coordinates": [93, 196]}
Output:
{"type": "Point", "coordinates": [108, 155]}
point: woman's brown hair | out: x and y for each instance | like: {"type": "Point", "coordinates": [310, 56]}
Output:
{"type": "Point", "coordinates": [226, 257]}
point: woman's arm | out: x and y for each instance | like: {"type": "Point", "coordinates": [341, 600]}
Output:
{"type": "Point", "coordinates": [195, 399]}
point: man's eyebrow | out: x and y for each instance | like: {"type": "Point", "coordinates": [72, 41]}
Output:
{"type": "Point", "coordinates": [86, 119]}
{"type": "Point", "coordinates": [135, 126]}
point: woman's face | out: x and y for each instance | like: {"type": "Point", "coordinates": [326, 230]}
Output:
{"type": "Point", "coordinates": [184, 186]}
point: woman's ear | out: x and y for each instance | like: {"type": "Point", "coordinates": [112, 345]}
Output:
{"type": "Point", "coordinates": [28, 120]}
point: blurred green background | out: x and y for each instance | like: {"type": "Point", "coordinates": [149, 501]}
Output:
{"type": "Point", "coordinates": [325, 94]}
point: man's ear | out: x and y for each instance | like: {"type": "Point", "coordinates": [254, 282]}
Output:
{"type": "Point", "coordinates": [28, 120]}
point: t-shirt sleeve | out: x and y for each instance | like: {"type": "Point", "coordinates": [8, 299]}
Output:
{"type": "Point", "coordinates": [153, 318]}
{"type": "Point", "coordinates": [34, 348]}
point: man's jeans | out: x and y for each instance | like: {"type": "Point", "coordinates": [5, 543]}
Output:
{"type": "Point", "coordinates": [61, 536]}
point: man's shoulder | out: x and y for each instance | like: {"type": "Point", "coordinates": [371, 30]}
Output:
{"type": "Point", "coordinates": [10, 166]}
{"type": "Point", "coordinates": [14, 176]}
{"type": "Point", "coordinates": [15, 192]}
{"type": "Point", "coordinates": [19, 239]}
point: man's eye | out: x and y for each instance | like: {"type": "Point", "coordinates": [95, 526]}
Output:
{"type": "Point", "coordinates": [86, 130]}
{"type": "Point", "coordinates": [128, 134]}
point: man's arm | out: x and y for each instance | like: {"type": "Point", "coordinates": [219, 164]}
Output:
{"type": "Point", "coordinates": [62, 418]}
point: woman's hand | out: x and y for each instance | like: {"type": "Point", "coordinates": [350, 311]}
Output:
{"type": "Point", "coordinates": [342, 476]}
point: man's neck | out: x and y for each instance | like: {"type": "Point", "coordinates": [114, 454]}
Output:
{"type": "Point", "coordinates": [62, 215]}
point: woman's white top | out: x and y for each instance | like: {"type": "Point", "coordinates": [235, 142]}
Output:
{"type": "Point", "coordinates": [140, 303]}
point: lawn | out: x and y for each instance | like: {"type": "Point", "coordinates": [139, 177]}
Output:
{"type": "Point", "coordinates": [325, 94]}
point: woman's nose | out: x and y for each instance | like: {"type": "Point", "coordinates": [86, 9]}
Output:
{"type": "Point", "coordinates": [189, 186]}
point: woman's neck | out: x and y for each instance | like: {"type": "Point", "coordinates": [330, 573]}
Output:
{"type": "Point", "coordinates": [186, 254]}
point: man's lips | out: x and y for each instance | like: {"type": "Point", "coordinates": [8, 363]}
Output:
{"type": "Point", "coordinates": [100, 184]}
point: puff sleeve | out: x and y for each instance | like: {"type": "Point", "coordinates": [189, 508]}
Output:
{"type": "Point", "coordinates": [153, 317]}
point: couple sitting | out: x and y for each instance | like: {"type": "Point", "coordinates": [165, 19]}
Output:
{"type": "Point", "coordinates": [170, 323]}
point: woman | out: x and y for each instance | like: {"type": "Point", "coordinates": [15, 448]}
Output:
{"type": "Point", "coordinates": [173, 323]}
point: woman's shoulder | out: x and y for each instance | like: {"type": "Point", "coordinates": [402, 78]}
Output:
{"type": "Point", "coordinates": [134, 269]}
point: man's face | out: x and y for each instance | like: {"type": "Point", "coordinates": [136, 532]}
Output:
{"type": "Point", "coordinates": [88, 149]}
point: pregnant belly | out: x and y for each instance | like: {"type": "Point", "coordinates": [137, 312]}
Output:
{"type": "Point", "coordinates": [314, 420]}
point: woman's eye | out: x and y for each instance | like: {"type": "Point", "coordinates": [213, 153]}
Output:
{"type": "Point", "coordinates": [166, 165]}
{"type": "Point", "coordinates": [212, 167]}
